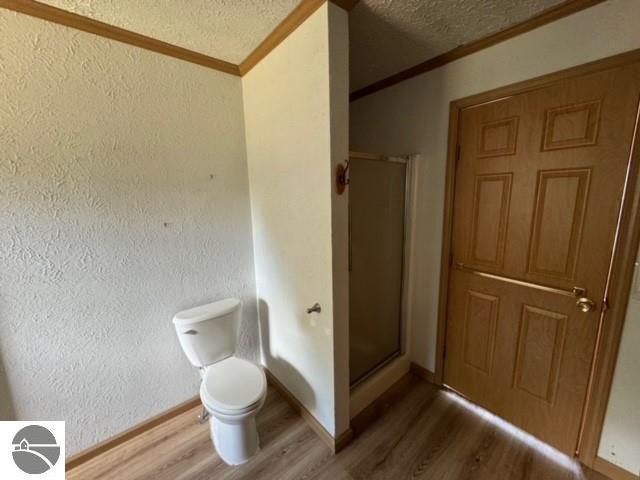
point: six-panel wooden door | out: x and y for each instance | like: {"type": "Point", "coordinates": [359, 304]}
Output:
{"type": "Point", "coordinates": [538, 187]}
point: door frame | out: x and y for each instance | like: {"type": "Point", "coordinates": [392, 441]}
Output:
{"type": "Point", "coordinates": [621, 273]}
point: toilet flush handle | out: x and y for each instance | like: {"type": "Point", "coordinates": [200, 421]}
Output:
{"type": "Point", "coordinates": [316, 308]}
{"type": "Point", "coordinates": [190, 332]}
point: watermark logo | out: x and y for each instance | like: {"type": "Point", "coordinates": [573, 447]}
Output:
{"type": "Point", "coordinates": [35, 449]}
{"type": "Point", "coordinates": [32, 450]}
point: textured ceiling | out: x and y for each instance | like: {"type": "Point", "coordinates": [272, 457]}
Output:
{"type": "Point", "coordinates": [224, 29]}
{"type": "Point", "coordinates": [389, 36]}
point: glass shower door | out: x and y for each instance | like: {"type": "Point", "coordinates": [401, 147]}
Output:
{"type": "Point", "coordinates": [376, 226]}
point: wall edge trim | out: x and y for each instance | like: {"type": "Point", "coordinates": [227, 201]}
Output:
{"type": "Point", "coordinates": [110, 443]}
{"type": "Point", "coordinates": [614, 472]}
{"type": "Point", "coordinates": [335, 444]}
{"type": "Point", "coordinates": [422, 373]}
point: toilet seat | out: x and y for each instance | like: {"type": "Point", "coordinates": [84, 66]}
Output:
{"type": "Point", "coordinates": [233, 386]}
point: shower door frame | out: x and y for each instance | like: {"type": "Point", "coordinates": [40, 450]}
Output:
{"type": "Point", "coordinates": [406, 253]}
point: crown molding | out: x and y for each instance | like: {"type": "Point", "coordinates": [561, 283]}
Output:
{"type": "Point", "coordinates": [285, 28]}
{"type": "Point", "coordinates": [63, 17]}
{"type": "Point", "coordinates": [547, 16]}
{"type": "Point", "coordinates": [348, 5]}
{"type": "Point", "coordinates": [73, 20]}
{"type": "Point", "coordinates": [303, 11]}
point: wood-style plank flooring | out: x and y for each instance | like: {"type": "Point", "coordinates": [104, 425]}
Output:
{"type": "Point", "coordinates": [418, 432]}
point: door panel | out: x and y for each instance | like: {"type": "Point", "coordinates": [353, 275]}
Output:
{"type": "Point", "coordinates": [538, 186]}
{"type": "Point", "coordinates": [540, 345]}
{"type": "Point", "coordinates": [539, 370]}
{"type": "Point", "coordinates": [498, 138]}
{"type": "Point", "coordinates": [557, 232]}
{"type": "Point", "coordinates": [571, 126]}
{"type": "Point", "coordinates": [480, 320]}
{"type": "Point", "coordinates": [490, 211]}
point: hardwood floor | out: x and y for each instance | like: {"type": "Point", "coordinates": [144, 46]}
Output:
{"type": "Point", "coordinates": [418, 431]}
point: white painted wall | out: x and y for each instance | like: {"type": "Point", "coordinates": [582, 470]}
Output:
{"type": "Point", "coordinates": [294, 136]}
{"type": "Point", "coordinates": [124, 198]}
{"type": "Point", "coordinates": [620, 441]}
{"type": "Point", "coordinates": [412, 117]}
{"type": "Point", "coordinates": [339, 125]}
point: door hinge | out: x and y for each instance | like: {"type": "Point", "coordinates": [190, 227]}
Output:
{"type": "Point", "coordinates": [457, 153]}
{"type": "Point", "coordinates": [605, 305]}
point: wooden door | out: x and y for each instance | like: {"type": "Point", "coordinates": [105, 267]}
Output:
{"type": "Point", "coordinates": [376, 246]}
{"type": "Point", "coordinates": [538, 187]}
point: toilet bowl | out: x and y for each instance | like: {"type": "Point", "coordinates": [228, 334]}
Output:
{"type": "Point", "coordinates": [232, 389]}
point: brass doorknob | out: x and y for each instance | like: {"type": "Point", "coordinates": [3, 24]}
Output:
{"type": "Point", "coordinates": [585, 304]}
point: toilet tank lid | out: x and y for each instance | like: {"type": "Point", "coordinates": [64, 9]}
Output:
{"type": "Point", "coordinates": [206, 312]}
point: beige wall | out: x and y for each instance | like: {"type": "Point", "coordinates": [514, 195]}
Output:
{"type": "Point", "coordinates": [124, 192]}
{"type": "Point", "coordinates": [620, 441]}
{"type": "Point", "coordinates": [295, 103]}
{"type": "Point", "coordinates": [412, 117]}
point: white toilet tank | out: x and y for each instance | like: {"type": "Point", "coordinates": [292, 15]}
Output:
{"type": "Point", "coordinates": [207, 333]}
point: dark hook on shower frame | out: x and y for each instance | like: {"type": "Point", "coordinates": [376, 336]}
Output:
{"type": "Point", "coordinates": [342, 180]}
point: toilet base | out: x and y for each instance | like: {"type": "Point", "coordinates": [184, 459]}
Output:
{"type": "Point", "coordinates": [235, 442]}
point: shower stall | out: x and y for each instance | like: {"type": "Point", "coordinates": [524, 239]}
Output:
{"type": "Point", "coordinates": [378, 212]}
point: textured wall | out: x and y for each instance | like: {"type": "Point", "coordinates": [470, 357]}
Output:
{"type": "Point", "coordinates": [124, 198]}
{"type": "Point", "coordinates": [413, 117]}
{"type": "Point", "coordinates": [287, 115]}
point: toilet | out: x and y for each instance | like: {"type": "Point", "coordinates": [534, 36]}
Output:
{"type": "Point", "coordinates": [232, 390]}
